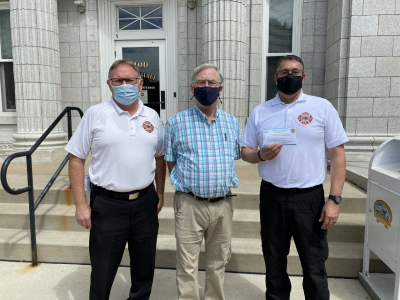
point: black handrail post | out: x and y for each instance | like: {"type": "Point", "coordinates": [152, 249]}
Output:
{"type": "Point", "coordinates": [31, 210]}
{"type": "Point", "coordinates": [29, 188]}
{"type": "Point", "coordinates": [69, 124]}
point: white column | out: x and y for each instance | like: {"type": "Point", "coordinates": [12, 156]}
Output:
{"type": "Point", "coordinates": [224, 41]}
{"type": "Point", "coordinates": [34, 27]}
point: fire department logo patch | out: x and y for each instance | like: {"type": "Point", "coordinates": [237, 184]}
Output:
{"type": "Point", "coordinates": [305, 118]}
{"type": "Point", "coordinates": [148, 127]}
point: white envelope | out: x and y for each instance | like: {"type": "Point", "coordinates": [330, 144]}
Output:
{"type": "Point", "coordinates": [86, 183]}
{"type": "Point", "coordinates": [284, 136]}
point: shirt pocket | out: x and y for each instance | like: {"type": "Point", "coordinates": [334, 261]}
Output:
{"type": "Point", "coordinates": [229, 144]}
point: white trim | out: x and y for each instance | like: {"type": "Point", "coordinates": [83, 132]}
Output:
{"type": "Point", "coordinates": [108, 36]}
{"type": "Point", "coordinates": [297, 30]}
{"type": "Point", "coordinates": [7, 114]}
{"type": "Point", "coordinates": [139, 35]}
{"type": "Point", "coordinates": [296, 40]}
{"type": "Point", "coordinates": [4, 5]}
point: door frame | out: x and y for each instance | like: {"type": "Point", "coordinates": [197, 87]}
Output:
{"type": "Point", "coordinates": [160, 44]}
{"type": "Point", "coordinates": [108, 32]}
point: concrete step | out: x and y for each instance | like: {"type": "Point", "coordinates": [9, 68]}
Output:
{"type": "Point", "coordinates": [246, 223]}
{"type": "Point", "coordinates": [354, 199]}
{"type": "Point", "coordinates": [345, 259]}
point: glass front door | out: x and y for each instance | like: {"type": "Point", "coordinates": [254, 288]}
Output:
{"type": "Point", "coordinates": [149, 57]}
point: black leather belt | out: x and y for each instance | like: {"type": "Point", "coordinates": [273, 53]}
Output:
{"type": "Point", "coordinates": [210, 199]}
{"type": "Point", "coordinates": [133, 195]}
{"type": "Point", "coordinates": [289, 190]}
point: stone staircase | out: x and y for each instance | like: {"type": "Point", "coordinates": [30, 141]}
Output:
{"type": "Point", "coordinates": [61, 239]}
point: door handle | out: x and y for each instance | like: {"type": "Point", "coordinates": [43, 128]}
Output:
{"type": "Point", "coordinates": [162, 99]}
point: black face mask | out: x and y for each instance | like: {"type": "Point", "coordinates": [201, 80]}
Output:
{"type": "Point", "coordinates": [290, 84]}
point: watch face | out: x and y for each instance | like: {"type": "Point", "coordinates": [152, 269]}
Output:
{"type": "Point", "coordinates": [337, 199]}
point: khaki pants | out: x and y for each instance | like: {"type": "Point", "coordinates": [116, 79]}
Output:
{"type": "Point", "coordinates": [195, 220]}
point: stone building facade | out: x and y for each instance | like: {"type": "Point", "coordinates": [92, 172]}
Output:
{"type": "Point", "coordinates": [58, 52]}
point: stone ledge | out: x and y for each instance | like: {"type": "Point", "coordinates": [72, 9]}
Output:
{"type": "Point", "coordinates": [40, 155]}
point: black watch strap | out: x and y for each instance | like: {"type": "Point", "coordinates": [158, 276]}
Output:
{"type": "Point", "coordinates": [337, 199]}
{"type": "Point", "coordinates": [259, 156]}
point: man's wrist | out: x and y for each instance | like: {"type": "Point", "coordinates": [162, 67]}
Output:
{"type": "Point", "coordinates": [259, 156]}
{"type": "Point", "coordinates": [335, 198]}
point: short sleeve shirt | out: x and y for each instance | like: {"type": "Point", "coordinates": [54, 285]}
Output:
{"type": "Point", "coordinates": [204, 153]}
{"type": "Point", "coordinates": [123, 147]}
{"type": "Point", "coordinates": [317, 126]}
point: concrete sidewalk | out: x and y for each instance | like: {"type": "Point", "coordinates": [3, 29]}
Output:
{"type": "Point", "coordinates": [71, 282]}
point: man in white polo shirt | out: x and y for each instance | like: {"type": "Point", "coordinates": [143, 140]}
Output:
{"type": "Point", "coordinates": [287, 136]}
{"type": "Point", "coordinates": [127, 145]}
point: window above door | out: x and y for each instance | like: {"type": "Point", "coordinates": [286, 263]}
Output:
{"type": "Point", "coordinates": [140, 18]}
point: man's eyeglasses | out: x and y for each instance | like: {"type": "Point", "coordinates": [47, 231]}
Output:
{"type": "Point", "coordinates": [285, 72]}
{"type": "Point", "coordinates": [128, 80]}
{"type": "Point", "coordinates": [211, 83]}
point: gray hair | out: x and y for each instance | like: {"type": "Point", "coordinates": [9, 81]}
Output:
{"type": "Point", "coordinates": [123, 62]}
{"type": "Point", "coordinates": [289, 57]}
{"type": "Point", "coordinates": [207, 66]}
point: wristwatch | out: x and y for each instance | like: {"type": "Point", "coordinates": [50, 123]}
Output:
{"type": "Point", "coordinates": [337, 199]}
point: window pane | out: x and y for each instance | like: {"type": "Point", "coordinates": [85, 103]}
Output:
{"type": "Point", "coordinates": [271, 70]}
{"type": "Point", "coordinates": [155, 11]}
{"type": "Point", "coordinates": [146, 17]}
{"type": "Point", "coordinates": [155, 14]}
{"type": "Point", "coordinates": [7, 85]}
{"type": "Point", "coordinates": [129, 12]}
{"type": "Point", "coordinates": [280, 26]}
{"type": "Point", "coordinates": [146, 25]}
{"type": "Point", "coordinates": [123, 24]}
{"type": "Point", "coordinates": [154, 24]}
{"type": "Point", "coordinates": [133, 26]}
{"type": "Point", "coordinates": [6, 47]}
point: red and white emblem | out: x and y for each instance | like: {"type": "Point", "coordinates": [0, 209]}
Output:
{"type": "Point", "coordinates": [305, 118]}
{"type": "Point", "coordinates": [148, 126]}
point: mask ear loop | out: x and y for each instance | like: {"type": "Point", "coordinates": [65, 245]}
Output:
{"type": "Point", "coordinates": [191, 98]}
{"type": "Point", "coordinates": [220, 100]}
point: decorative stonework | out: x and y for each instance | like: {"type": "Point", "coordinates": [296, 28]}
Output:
{"type": "Point", "coordinates": [81, 4]}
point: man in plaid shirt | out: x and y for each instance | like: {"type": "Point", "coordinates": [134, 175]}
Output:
{"type": "Point", "coordinates": [201, 145]}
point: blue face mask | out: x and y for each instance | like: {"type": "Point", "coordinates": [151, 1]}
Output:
{"type": "Point", "coordinates": [206, 95]}
{"type": "Point", "coordinates": [126, 94]}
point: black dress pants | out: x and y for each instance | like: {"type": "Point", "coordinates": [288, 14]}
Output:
{"type": "Point", "coordinates": [114, 223]}
{"type": "Point", "coordinates": [286, 213]}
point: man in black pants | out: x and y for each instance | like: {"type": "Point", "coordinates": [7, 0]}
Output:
{"type": "Point", "coordinates": [126, 140]}
{"type": "Point", "coordinates": [287, 136]}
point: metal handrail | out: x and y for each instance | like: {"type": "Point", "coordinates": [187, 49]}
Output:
{"type": "Point", "coordinates": [34, 204]}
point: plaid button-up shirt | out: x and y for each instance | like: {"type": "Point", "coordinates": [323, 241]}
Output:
{"type": "Point", "coordinates": [204, 153]}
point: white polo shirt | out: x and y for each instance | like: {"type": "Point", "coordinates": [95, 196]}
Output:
{"type": "Point", "coordinates": [123, 146]}
{"type": "Point", "coordinates": [317, 126]}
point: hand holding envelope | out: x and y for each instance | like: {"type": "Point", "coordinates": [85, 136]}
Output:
{"type": "Point", "coordinates": [274, 138]}
{"type": "Point", "coordinates": [271, 151]}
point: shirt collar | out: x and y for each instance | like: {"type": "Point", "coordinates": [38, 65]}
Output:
{"type": "Point", "coordinates": [277, 100]}
{"type": "Point", "coordinates": [142, 110]}
{"type": "Point", "coordinates": [202, 115]}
